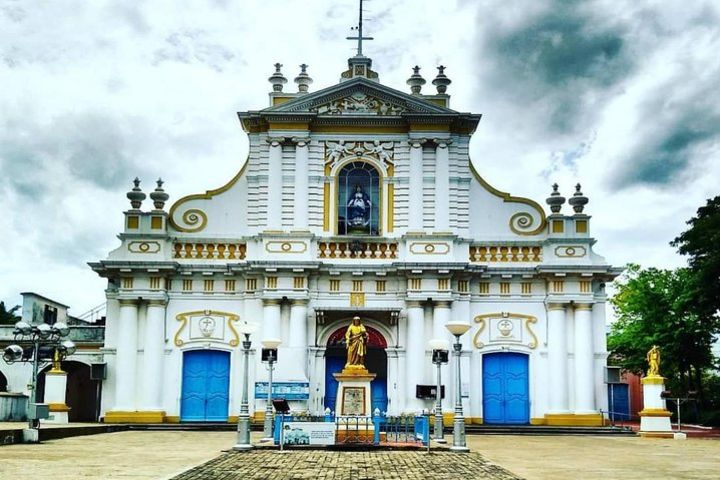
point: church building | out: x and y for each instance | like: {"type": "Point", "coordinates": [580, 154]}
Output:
{"type": "Point", "coordinates": [356, 199]}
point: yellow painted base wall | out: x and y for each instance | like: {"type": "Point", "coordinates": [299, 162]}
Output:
{"type": "Point", "coordinates": [134, 417]}
{"type": "Point", "coordinates": [570, 420]}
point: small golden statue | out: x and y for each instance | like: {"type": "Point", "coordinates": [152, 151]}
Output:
{"type": "Point", "coordinates": [356, 338]}
{"type": "Point", "coordinates": [653, 358]}
{"type": "Point", "coordinates": [56, 366]}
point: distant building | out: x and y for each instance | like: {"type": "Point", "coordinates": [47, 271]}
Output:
{"type": "Point", "coordinates": [82, 397]}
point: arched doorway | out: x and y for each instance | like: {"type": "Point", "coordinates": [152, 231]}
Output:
{"type": "Point", "coordinates": [81, 393]}
{"type": "Point", "coordinates": [3, 383]}
{"type": "Point", "coordinates": [375, 361]}
{"type": "Point", "coordinates": [505, 388]}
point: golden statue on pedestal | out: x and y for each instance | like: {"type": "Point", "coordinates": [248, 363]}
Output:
{"type": "Point", "coordinates": [653, 358]}
{"type": "Point", "coordinates": [356, 338]}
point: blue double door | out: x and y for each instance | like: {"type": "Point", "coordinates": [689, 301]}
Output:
{"type": "Point", "coordinates": [505, 389]}
{"type": "Point", "coordinates": [205, 386]}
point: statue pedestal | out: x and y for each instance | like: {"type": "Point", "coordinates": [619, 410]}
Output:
{"type": "Point", "coordinates": [55, 386]}
{"type": "Point", "coordinates": [654, 417]}
{"type": "Point", "coordinates": [354, 399]}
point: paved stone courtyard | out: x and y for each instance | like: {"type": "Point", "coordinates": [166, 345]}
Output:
{"type": "Point", "coordinates": [321, 465]}
{"type": "Point", "coordinates": [153, 455]}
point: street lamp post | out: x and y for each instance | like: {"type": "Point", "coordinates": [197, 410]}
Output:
{"type": "Point", "coordinates": [270, 351]}
{"type": "Point", "coordinates": [34, 337]}
{"type": "Point", "coordinates": [243, 430]}
{"type": "Point", "coordinates": [439, 357]}
{"type": "Point", "coordinates": [459, 445]}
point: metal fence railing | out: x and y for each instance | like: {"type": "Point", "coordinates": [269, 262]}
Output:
{"type": "Point", "coordinates": [378, 429]}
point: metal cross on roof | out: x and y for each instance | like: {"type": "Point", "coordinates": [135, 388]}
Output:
{"type": "Point", "coordinates": [359, 29]}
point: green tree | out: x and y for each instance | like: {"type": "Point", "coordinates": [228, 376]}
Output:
{"type": "Point", "coordinates": [701, 243]}
{"type": "Point", "coordinates": [8, 316]}
{"type": "Point", "coordinates": [659, 307]}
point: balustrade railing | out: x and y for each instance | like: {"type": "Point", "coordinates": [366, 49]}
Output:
{"type": "Point", "coordinates": [358, 250]}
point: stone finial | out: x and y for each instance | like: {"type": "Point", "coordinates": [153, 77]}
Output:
{"type": "Point", "coordinates": [578, 200]}
{"type": "Point", "coordinates": [441, 82]}
{"type": "Point", "coordinates": [555, 200]}
{"type": "Point", "coordinates": [136, 195]}
{"type": "Point", "coordinates": [416, 81]}
{"type": "Point", "coordinates": [277, 79]}
{"type": "Point", "coordinates": [158, 196]}
{"type": "Point", "coordinates": [303, 80]}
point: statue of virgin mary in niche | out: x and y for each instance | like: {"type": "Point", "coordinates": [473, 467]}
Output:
{"type": "Point", "coordinates": [358, 211]}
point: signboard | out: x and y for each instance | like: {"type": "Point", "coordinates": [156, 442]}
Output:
{"type": "Point", "coordinates": [309, 433]}
{"type": "Point", "coordinates": [353, 401]}
{"type": "Point", "coordinates": [286, 390]}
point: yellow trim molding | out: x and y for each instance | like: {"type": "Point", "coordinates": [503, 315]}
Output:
{"type": "Point", "coordinates": [653, 380]}
{"type": "Point", "coordinates": [537, 421]}
{"type": "Point", "coordinates": [657, 434]}
{"type": "Point", "coordinates": [184, 317]}
{"type": "Point", "coordinates": [654, 412]}
{"type": "Point", "coordinates": [203, 196]}
{"type": "Point", "coordinates": [134, 417]}
{"type": "Point", "coordinates": [511, 199]}
{"type": "Point", "coordinates": [58, 407]}
{"type": "Point", "coordinates": [569, 419]}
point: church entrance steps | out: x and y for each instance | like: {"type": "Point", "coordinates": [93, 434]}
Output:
{"type": "Point", "coordinates": [542, 430]}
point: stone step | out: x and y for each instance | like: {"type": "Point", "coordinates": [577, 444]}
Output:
{"type": "Point", "coordinates": [542, 430]}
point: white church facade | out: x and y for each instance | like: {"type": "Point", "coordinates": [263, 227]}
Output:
{"type": "Point", "coordinates": [357, 199]}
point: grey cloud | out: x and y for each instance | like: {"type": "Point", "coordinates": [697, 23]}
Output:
{"type": "Point", "coordinates": [190, 46]}
{"type": "Point", "coordinates": [14, 12]}
{"type": "Point", "coordinates": [93, 147]}
{"type": "Point", "coordinates": [568, 158]}
{"type": "Point", "coordinates": [678, 136]}
{"type": "Point", "coordinates": [556, 58]}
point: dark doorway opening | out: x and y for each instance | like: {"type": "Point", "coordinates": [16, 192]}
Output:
{"type": "Point", "coordinates": [81, 394]}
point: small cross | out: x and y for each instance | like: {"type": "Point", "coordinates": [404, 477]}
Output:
{"type": "Point", "coordinates": [359, 28]}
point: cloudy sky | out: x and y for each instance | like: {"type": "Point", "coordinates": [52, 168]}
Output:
{"type": "Point", "coordinates": [622, 96]}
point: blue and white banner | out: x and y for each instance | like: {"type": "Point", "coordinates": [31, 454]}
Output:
{"type": "Point", "coordinates": [286, 390]}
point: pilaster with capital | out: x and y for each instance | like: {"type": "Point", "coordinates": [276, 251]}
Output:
{"type": "Point", "coordinates": [300, 196]}
{"type": "Point", "coordinates": [274, 184]}
{"type": "Point", "coordinates": [297, 340]}
{"type": "Point", "coordinates": [271, 319]}
{"type": "Point", "coordinates": [557, 358]}
{"type": "Point", "coordinates": [442, 185]}
{"type": "Point", "coordinates": [153, 356]}
{"type": "Point", "coordinates": [584, 360]}
{"type": "Point", "coordinates": [415, 352]}
{"type": "Point", "coordinates": [415, 186]}
{"type": "Point", "coordinates": [126, 356]}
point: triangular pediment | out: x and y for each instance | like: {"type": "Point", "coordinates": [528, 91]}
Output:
{"type": "Point", "coordinates": [360, 96]}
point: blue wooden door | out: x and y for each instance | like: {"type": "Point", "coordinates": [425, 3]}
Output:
{"type": "Point", "coordinates": [379, 400]}
{"type": "Point", "coordinates": [332, 365]}
{"type": "Point", "coordinates": [619, 401]}
{"type": "Point", "coordinates": [505, 388]}
{"type": "Point", "coordinates": [205, 387]}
